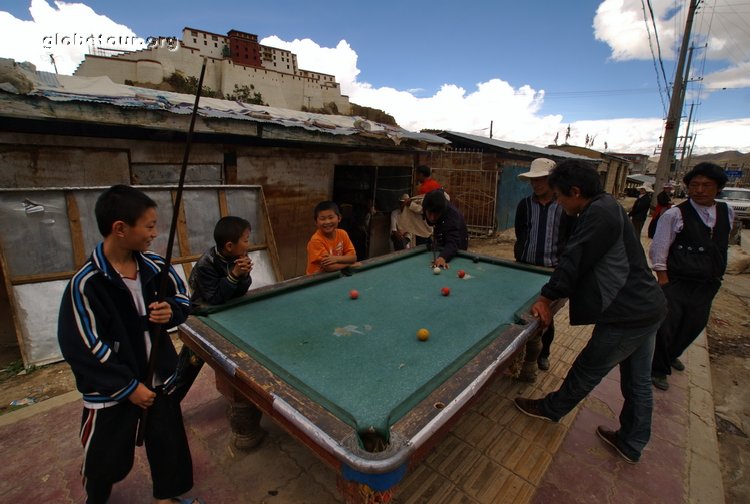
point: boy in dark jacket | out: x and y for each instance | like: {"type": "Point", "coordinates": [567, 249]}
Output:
{"type": "Point", "coordinates": [604, 273]}
{"type": "Point", "coordinates": [448, 227]}
{"type": "Point", "coordinates": [104, 335]}
{"type": "Point", "coordinates": [223, 271]}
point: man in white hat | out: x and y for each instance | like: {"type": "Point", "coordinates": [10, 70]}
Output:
{"type": "Point", "coordinates": [400, 238]}
{"type": "Point", "coordinates": [542, 229]}
{"type": "Point", "coordinates": [639, 211]}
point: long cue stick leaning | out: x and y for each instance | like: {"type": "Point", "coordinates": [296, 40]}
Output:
{"type": "Point", "coordinates": [155, 329]}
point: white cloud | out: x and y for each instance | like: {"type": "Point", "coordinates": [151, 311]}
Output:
{"type": "Point", "coordinates": [722, 25]}
{"type": "Point", "coordinates": [65, 32]}
{"type": "Point", "coordinates": [514, 112]}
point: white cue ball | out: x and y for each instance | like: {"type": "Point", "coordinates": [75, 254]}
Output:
{"type": "Point", "coordinates": [436, 270]}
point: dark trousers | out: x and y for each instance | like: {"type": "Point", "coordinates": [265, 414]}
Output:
{"type": "Point", "coordinates": [638, 225]}
{"type": "Point", "coordinates": [547, 338]}
{"type": "Point", "coordinates": [610, 345]}
{"type": "Point", "coordinates": [538, 347]}
{"type": "Point", "coordinates": [108, 438]}
{"type": "Point", "coordinates": [689, 306]}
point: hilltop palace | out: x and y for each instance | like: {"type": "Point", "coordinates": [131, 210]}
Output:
{"type": "Point", "coordinates": [233, 59]}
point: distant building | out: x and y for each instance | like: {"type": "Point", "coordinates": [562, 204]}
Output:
{"type": "Point", "coordinates": [638, 162]}
{"type": "Point", "coordinates": [234, 59]}
{"type": "Point", "coordinates": [613, 168]}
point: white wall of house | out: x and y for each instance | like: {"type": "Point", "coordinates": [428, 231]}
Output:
{"type": "Point", "coordinates": [278, 88]}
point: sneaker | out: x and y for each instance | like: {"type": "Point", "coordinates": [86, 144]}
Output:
{"type": "Point", "coordinates": [530, 407]}
{"type": "Point", "coordinates": [660, 382]}
{"type": "Point", "coordinates": [543, 363]}
{"type": "Point", "coordinates": [610, 437]}
{"type": "Point", "coordinates": [678, 365]}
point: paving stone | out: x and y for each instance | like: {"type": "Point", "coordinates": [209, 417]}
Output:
{"type": "Point", "coordinates": [702, 437]}
{"type": "Point", "coordinates": [706, 485]}
{"type": "Point", "coordinates": [424, 486]}
{"type": "Point", "coordinates": [495, 454]}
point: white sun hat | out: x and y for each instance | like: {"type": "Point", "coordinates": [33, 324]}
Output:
{"type": "Point", "coordinates": [540, 167]}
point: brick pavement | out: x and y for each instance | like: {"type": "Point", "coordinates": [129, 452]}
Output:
{"type": "Point", "coordinates": [494, 454]}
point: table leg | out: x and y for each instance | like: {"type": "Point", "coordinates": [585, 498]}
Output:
{"type": "Point", "coordinates": [244, 417]}
{"type": "Point", "coordinates": [359, 493]}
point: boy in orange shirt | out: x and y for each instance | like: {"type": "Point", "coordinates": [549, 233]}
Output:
{"type": "Point", "coordinates": [330, 248]}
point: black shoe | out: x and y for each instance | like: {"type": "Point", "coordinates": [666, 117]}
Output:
{"type": "Point", "coordinates": [678, 365]}
{"type": "Point", "coordinates": [660, 382]}
{"type": "Point", "coordinates": [610, 437]}
{"type": "Point", "coordinates": [530, 407]}
{"type": "Point", "coordinates": [543, 363]}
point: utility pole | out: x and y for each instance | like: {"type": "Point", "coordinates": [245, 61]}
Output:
{"type": "Point", "coordinates": [675, 108]}
{"type": "Point", "coordinates": [491, 129]}
{"type": "Point", "coordinates": [681, 167]}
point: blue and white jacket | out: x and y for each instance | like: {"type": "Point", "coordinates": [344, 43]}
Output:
{"type": "Point", "coordinates": [101, 333]}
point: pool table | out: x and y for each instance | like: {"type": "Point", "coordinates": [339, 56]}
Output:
{"type": "Point", "coordinates": [349, 377]}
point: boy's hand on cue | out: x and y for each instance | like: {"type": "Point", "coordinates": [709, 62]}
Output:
{"type": "Point", "coordinates": [159, 313]}
{"type": "Point", "coordinates": [142, 396]}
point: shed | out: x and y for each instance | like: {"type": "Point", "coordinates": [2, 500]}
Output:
{"type": "Point", "coordinates": [59, 134]}
{"type": "Point", "coordinates": [487, 169]}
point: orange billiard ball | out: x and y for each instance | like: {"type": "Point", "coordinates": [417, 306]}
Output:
{"type": "Point", "coordinates": [445, 291]}
{"type": "Point", "coordinates": [423, 334]}
{"type": "Point", "coordinates": [461, 273]}
{"type": "Point", "coordinates": [354, 294]}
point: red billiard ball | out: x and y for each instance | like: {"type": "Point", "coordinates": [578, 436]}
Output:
{"type": "Point", "coordinates": [461, 273]}
{"type": "Point", "coordinates": [445, 291]}
{"type": "Point", "coordinates": [354, 294]}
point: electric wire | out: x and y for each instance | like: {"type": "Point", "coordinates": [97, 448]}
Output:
{"type": "Point", "coordinates": [653, 58]}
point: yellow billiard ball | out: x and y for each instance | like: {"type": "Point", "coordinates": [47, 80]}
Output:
{"type": "Point", "coordinates": [423, 334]}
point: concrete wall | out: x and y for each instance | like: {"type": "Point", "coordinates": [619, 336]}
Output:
{"type": "Point", "coordinates": [293, 179]}
{"type": "Point", "coordinates": [278, 89]}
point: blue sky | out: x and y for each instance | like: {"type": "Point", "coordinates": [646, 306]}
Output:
{"type": "Point", "coordinates": [531, 67]}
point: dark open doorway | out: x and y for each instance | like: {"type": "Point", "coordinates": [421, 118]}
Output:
{"type": "Point", "coordinates": [366, 196]}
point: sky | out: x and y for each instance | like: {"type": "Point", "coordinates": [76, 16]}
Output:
{"type": "Point", "coordinates": [524, 70]}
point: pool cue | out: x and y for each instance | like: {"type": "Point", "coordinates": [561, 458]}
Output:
{"type": "Point", "coordinates": [434, 247]}
{"type": "Point", "coordinates": [155, 329]}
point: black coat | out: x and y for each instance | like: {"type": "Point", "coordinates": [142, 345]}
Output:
{"type": "Point", "coordinates": [451, 233]}
{"type": "Point", "coordinates": [101, 334]}
{"type": "Point", "coordinates": [639, 212]}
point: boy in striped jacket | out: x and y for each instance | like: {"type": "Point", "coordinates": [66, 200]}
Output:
{"type": "Point", "coordinates": [103, 333]}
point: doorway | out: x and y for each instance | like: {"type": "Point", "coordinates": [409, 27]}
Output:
{"type": "Point", "coordinates": [366, 196]}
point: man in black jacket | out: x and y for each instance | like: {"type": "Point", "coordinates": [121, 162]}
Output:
{"type": "Point", "coordinates": [689, 255]}
{"type": "Point", "coordinates": [449, 227]}
{"type": "Point", "coordinates": [604, 273]}
{"type": "Point", "coordinates": [640, 209]}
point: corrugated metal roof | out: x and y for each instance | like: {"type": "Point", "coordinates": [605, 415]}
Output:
{"type": "Point", "coordinates": [519, 147]}
{"type": "Point", "coordinates": [642, 179]}
{"type": "Point", "coordinates": [66, 88]}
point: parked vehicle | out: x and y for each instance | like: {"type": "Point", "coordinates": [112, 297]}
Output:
{"type": "Point", "coordinates": [739, 199]}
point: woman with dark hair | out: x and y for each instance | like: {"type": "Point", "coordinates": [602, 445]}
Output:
{"type": "Point", "coordinates": [604, 273]}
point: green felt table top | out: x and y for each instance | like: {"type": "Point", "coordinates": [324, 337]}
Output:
{"type": "Point", "coordinates": [361, 359]}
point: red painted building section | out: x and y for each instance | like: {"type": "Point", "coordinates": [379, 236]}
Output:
{"type": "Point", "coordinates": [244, 49]}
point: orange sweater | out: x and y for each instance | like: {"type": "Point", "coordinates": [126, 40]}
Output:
{"type": "Point", "coordinates": [319, 247]}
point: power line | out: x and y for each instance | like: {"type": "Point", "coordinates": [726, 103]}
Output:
{"type": "Point", "coordinates": [658, 46]}
{"type": "Point", "coordinates": [653, 58]}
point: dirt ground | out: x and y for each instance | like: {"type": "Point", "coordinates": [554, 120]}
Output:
{"type": "Point", "coordinates": [729, 346]}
